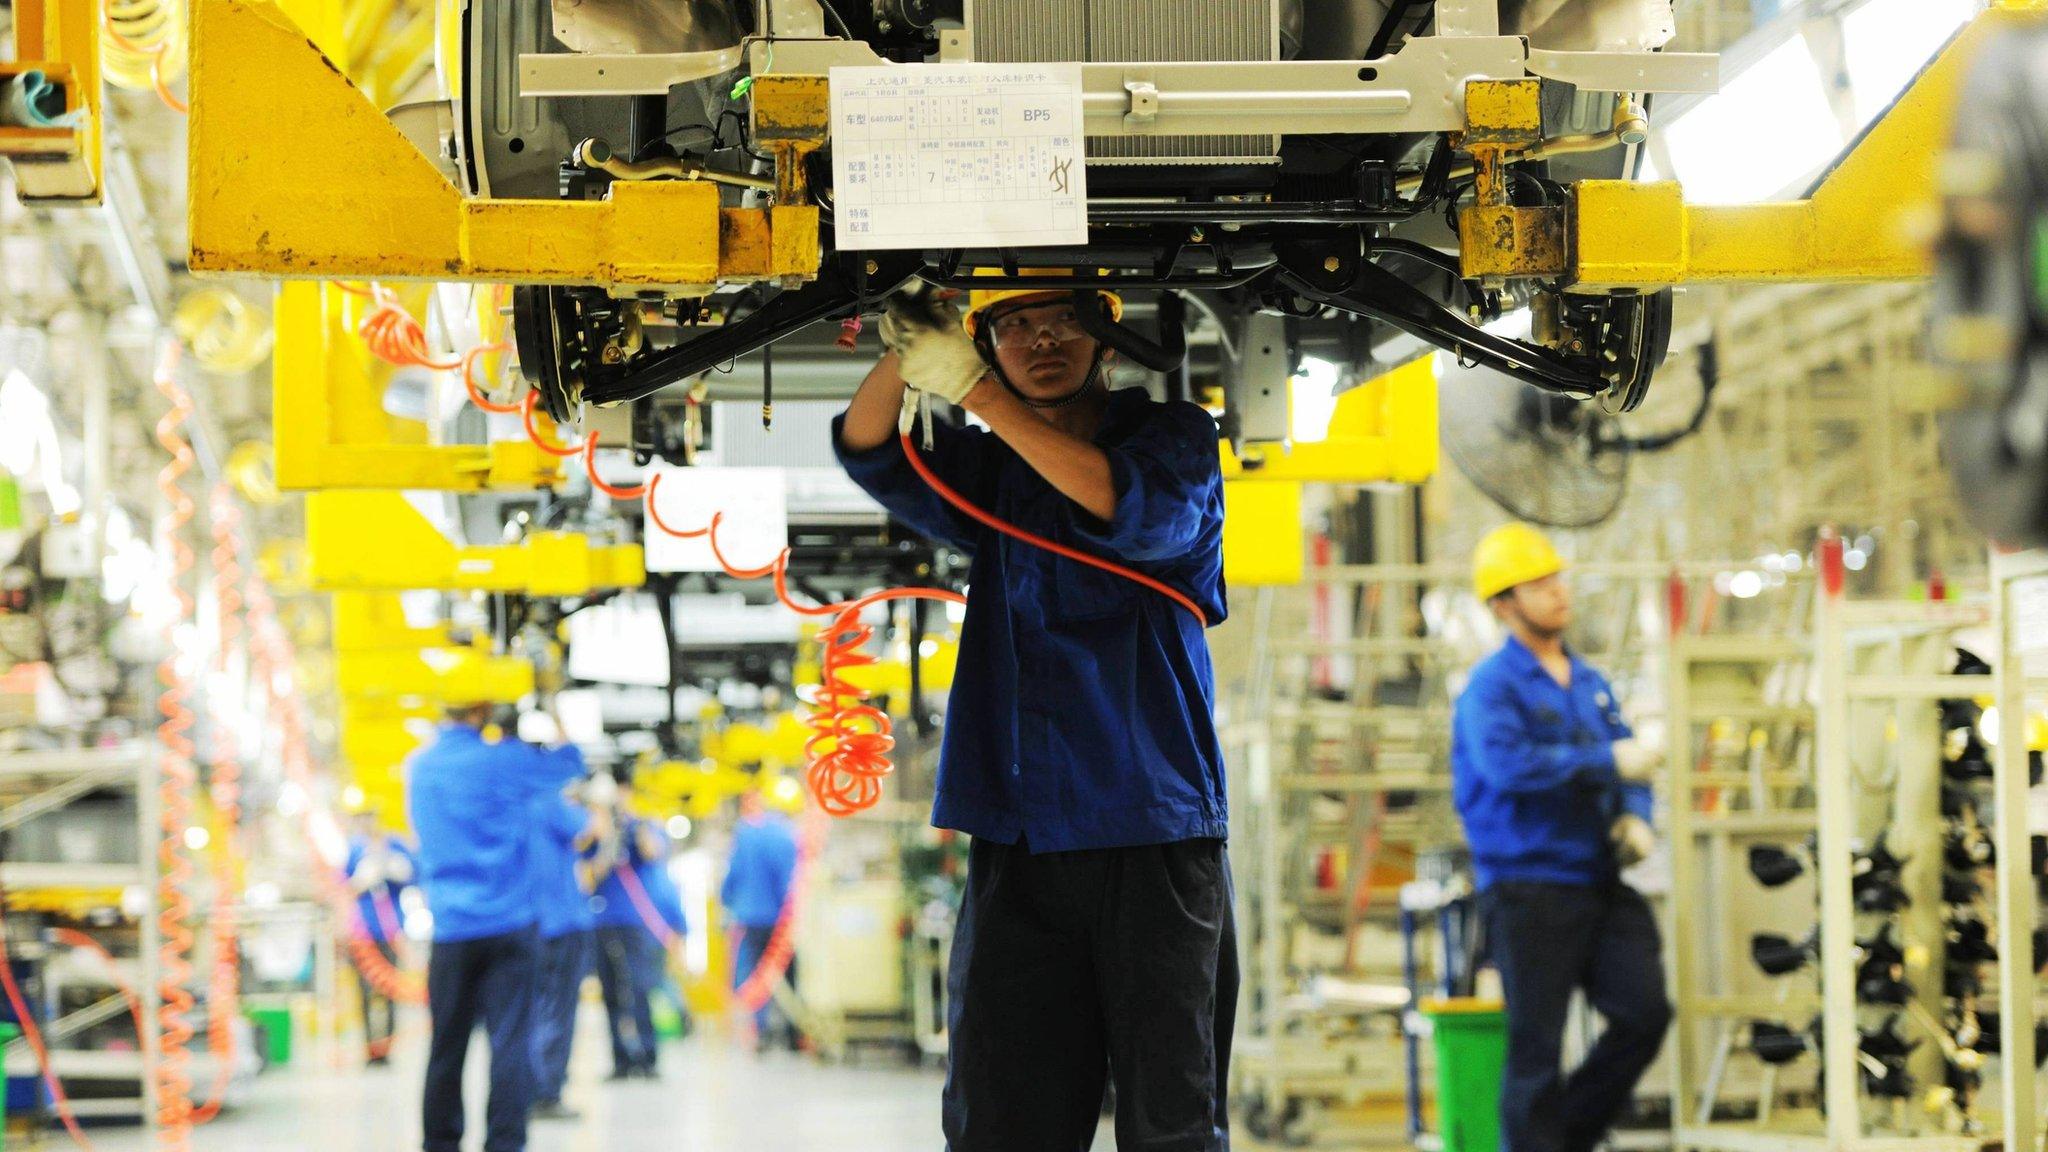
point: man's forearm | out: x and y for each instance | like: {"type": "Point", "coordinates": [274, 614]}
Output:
{"type": "Point", "coordinates": [1076, 467]}
{"type": "Point", "coordinates": [871, 417]}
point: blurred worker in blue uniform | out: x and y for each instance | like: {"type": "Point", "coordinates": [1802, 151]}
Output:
{"type": "Point", "coordinates": [562, 828]}
{"type": "Point", "coordinates": [757, 880]}
{"type": "Point", "coordinates": [476, 805]}
{"type": "Point", "coordinates": [661, 950]}
{"type": "Point", "coordinates": [379, 868]}
{"type": "Point", "coordinates": [1553, 789]}
{"type": "Point", "coordinates": [1080, 749]}
{"type": "Point", "coordinates": [625, 915]}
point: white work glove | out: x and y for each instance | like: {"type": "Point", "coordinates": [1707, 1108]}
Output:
{"type": "Point", "coordinates": [1637, 761]}
{"type": "Point", "coordinates": [539, 728]}
{"type": "Point", "coordinates": [934, 353]}
{"type": "Point", "coordinates": [1632, 838]}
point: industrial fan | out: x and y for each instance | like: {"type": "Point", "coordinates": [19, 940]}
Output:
{"type": "Point", "coordinates": [1548, 458]}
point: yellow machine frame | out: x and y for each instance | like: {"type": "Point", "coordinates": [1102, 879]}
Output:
{"type": "Point", "coordinates": [329, 423]}
{"type": "Point", "coordinates": [61, 40]}
{"type": "Point", "coordinates": [367, 203]}
{"type": "Point", "coordinates": [377, 541]}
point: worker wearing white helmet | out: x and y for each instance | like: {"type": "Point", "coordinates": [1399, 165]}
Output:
{"type": "Point", "coordinates": [1553, 789]}
{"type": "Point", "coordinates": [1080, 752]}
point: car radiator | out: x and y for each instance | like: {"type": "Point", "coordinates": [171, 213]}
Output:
{"type": "Point", "coordinates": [1093, 31]}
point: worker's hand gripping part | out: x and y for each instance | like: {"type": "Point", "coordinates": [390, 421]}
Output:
{"type": "Point", "coordinates": [1552, 787]}
{"type": "Point", "coordinates": [1080, 751]}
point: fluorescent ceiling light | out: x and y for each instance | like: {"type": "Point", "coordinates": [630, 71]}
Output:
{"type": "Point", "coordinates": [1887, 42]}
{"type": "Point", "coordinates": [1312, 401]}
{"type": "Point", "coordinates": [1765, 131]}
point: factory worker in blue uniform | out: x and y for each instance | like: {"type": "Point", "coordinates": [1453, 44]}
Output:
{"type": "Point", "coordinates": [1553, 790]}
{"type": "Point", "coordinates": [477, 809]}
{"type": "Point", "coordinates": [1095, 936]}
{"type": "Point", "coordinates": [563, 826]}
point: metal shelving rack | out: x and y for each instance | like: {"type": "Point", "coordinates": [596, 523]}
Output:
{"type": "Point", "coordinates": [37, 784]}
{"type": "Point", "coordinates": [1306, 1053]}
{"type": "Point", "coordinates": [1874, 669]}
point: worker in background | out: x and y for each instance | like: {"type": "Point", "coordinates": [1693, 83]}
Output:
{"type": "Point", "coordinates": [475, 807]}
{"type": "Point", "coordinates": [623, 933]}
{"type": "Point", "coordinates": [756, 886]}
{"type": "Point", "coordinates": [379, 868]}
{"type": "Point", "coordinates": [563, 828]}
{"type": "Point", "coordinates": [1553, 790]}
{"type": "Point", "coordinates": [661, 950]}
{"type": "Point", "coordinates": [1080, 750]}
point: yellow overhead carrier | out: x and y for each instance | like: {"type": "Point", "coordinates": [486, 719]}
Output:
{"type": "Point", "coordinates": [377, 541]}
{"type": "Point", "coordinates": [330, 426]}
{"type": "Point", "coordinates": [55, 70]}
{"type": "Point", "coordinates": [366, 203]}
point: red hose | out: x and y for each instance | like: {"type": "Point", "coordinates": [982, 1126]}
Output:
{"type": "Point", "coordinates": [179, 781]}
{"type": "Point", "coordinates": [986, 519]}
{"type": "Point", "coordinates": [34, 1035]}
{"type": "Point", "coordinates": [224, 985]}
{"type": "Point", "coordinates": [533, 433]}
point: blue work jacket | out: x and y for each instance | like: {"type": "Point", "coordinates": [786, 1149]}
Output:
{"type": "Point", "coordinates": [473, 806]}
{"type": "Point", "coordinates": [1081, 713]}
{"type": "Point", "coordinates": [611, 905]}
{"type": "Point", "coordinates": [1532, 771]}
{"type": "Point", "coordinates": [757, 878]}
{"type": "Point", "coordinates": [559, 901]}
{"type": "Point", "coordinates": [373, 922]}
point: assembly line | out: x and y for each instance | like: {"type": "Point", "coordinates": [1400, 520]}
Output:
{"type": "Point", "coordinates": [1021, 575]}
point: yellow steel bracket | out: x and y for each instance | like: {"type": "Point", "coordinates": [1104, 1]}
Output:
{"type": "Point", "coordinates": [371, 541]}
{"type": "Point", "coordinates": [1871, 218]}
{"type": "Point", "coordinates": [362, 201]}
{"type": "Point", "coordinates": [329, 423]}
{"type": "Point", "coordinates": [56, 65]}
{"type": "Point", "coordinates": [1497, 239]}
{"type": "Point", "coordinates": [1383, 431]}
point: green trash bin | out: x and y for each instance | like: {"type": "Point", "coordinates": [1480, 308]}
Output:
{"type": "Point", "coordinates": [8, 1034]}
{"type": "Point", "coordinates": [1471, 1049]}
{"type": "Point", "coordinates": [277, 1034]}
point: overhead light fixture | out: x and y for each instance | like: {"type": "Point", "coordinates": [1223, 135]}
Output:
{"type": "Point", "coordinates": [1886, 43]}
{"type": "Point", "coordinates": [1312, 401]}
{"type": "Point", "coordinates": [1761, 135]}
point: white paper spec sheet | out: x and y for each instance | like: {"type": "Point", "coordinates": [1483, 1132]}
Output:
{"type": "Point", "coordinates": [957, 156]}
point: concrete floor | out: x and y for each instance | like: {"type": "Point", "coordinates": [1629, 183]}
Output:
{"type": "Point", "coordinates": [712, 1098]}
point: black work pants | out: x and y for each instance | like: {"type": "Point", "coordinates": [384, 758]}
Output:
{"type": "Point", "coordinates": [621, 976]}
{"type": "Point", "coordinates": [380, 1015]}
{"type": "Point", "coordinates": [488, 980]}
{"type": "Point", "coordinates": [1549, 940]}
{"type": "Point", "coordinates": [1071, 966]}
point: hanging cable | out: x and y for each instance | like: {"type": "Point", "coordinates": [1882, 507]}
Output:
{"type": "Point", "coordinates": [178, 781]}
{"type": "Point", "coordinates": [18, 1004]}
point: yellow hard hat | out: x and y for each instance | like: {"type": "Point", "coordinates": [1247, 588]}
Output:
{"type": "Point", "coordinates": [982, 299]}
{"type": "Point", "coordinates": [1509, 555]}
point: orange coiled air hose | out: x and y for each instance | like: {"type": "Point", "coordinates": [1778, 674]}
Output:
{"type": "Point", "coordinates": [274, 660]}
{"type": "Point", "coordinates": [223, 991]}
{"type": "Point", "coordinates": [178, 780]}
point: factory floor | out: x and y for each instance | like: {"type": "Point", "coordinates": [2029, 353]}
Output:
{"type": "Point", "coordinates": [712, 1097]}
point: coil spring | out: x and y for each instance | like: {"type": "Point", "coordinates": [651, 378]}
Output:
{"type": "Point", "coordinates": [222, 331]}
{"type": "Point", "coordinates": [143, 46]}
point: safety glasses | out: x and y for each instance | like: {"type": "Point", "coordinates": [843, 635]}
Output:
{"type": "Point", "coordinates": [1022, 327]}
